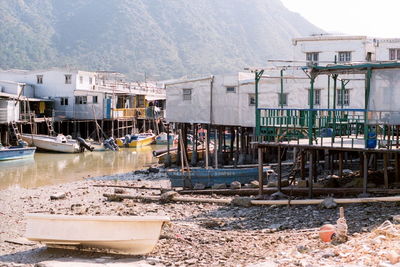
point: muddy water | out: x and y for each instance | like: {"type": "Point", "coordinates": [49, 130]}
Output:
{"type": "Point", "coordinates": [55, 168]}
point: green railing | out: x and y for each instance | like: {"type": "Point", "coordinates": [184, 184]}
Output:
{"type": "Point", "coordinates": [278, 124]}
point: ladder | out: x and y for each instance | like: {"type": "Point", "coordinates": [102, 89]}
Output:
{"type": "Point", "coordinates": [15, 130]}
{"type": "Point", "coordinates": [50, 127]}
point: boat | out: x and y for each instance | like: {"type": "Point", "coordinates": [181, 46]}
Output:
{"type": "Point", "coordinates": [162, 158]}
{"type": "Point", "coordinates": [134, 235]}
{"type": "Point", "coordinates": [136, 140]}
{"type": "Point", "coordinates": [162, 139]}
{"type": "Point", "coordinates": [107, 144]}
{"type": "Point", "coordinates": [16, 152]}
{"type": "Point", "coordinates": [59, 143]}
{"type": "Point", "coordinates": [210, 177]}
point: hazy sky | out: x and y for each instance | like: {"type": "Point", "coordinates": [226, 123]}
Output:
{"type": "Point", "coordinates": [375, 18]}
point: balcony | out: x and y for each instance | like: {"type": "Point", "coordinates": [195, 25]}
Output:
{"type": "Point", "coordinates": [138, 113]}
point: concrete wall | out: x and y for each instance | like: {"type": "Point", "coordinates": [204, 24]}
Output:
{"type": "Point", "coordinates": [9, 111]}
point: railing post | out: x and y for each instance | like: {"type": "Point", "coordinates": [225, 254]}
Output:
{"type": "Point", "coordinates": [311, 112]}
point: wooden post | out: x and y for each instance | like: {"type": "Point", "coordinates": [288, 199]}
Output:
{"type": "Point", "coordinates": [340, 164]}
{"type": "Point", "coordinates": [207, 142]}
{"type": "Point", "coordinates": [260, 171]}
{"type": "Point", "coordinates": [385, 170]}
{"type": "Point", "coordinates": [216, 143]}
{"type": "Point", "coordinates": [168, 161]}
{"type": "Point", "coordinates": [279, 169]}
{"type": "Point", "coordinates": [397, 167]}
{"type": "Point", "coordinates": [365, 180]}
{"type": "Point", "coordinates": [310, 175]}
{"type": "Point", "coordinates": [302, 165]}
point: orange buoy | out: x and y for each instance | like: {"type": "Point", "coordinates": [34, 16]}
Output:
{"type": "Point", "coordinates": [326, 232]}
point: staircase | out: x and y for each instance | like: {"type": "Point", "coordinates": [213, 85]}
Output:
{"type": "Point", "coordinates": [14, 132]}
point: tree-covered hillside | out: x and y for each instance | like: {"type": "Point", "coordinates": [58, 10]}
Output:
{"type": "Point", "coordinates": [163, 38]}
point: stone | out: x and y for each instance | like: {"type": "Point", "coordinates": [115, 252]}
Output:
{"type": "Point", "coordinates": [119, 191]}
{"type": "Point", "coordinates": [241, 202]}
{"type": "Point", "coordinates": [168, 196]}
{"type": "Point", "coordinates": [393, 257]}
{"type": "Point", "coordinates": [347, 172]}
{"type": "Point", "coordinates": [235, 185]}
{"type": "Point", "coordinates": [328, 203]}
{"type": "Point", "coordinates": [57, 196]}
{"type": "Point", "coordinates": [153, 170]}
{"type": "Point", "coordinates": [254, 184]}
{"type": "Point", "coordinates": [219, 186]}
{"type": "Point", "coordinates": [199, 187]}
{"type": "Point", "coordinates": [278, 195]}
{"type": "Point", "coordinates": [396, 219]}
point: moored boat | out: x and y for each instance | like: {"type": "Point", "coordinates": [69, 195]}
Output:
{"type": "Point", "coordinates": [209, 177]}
{"type": "Point", "coordinates": [16, 152]}
{"type": "Point", "coordinates": [135, 235]}
{"type": "Point", "coordinates": [136, 140]}
{"type": "Point", "coordinates": [59, 143]}
{"type": "Point", "coordinates": [164, 139]}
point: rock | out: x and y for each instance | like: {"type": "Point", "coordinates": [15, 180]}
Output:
{"type": "Point", "coordinates": [219, 186]}
{"type": "Point", "coordinates": [241, 202]}
{"type": "Point", "coordinates": [393, 257]}
{"type": "Point", "coordinates": [302, 249]}
{"type": "Point", "coordinates": [235, 185]}
{"type": "Point", "coordinates": [272, 184]}
{"type": "Point", "coordinates": [328, 203]}
{"type": "Point", "coordinates": [396, 219]}
{"type": "Point", "coordinates": [347, 171]}
{"type": "Point", "coordinates": [57, 196]}
{"type": "Point", "coordinates": [254, 184]}
{"type": "Point", "coordinates": [199, 187]}
{"type": "Point", "coordinates": [278, 195]}
{"type": "Point", "coordinates": [168, 196]}
{"type": "Point", "coordinates": [119, 191]}
{"type": "Point", "coordinates": [153, 170]}
{"type": "Point", "coordinates": [302, 183]}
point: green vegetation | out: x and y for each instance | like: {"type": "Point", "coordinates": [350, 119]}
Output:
{"type": "Point", "coordinates": [163, 38]}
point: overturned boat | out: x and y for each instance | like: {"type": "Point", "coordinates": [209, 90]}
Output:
{"type": "Point", "coordinates": [59, 143]}
{"type": "Point", "coordinates": [134, 235]}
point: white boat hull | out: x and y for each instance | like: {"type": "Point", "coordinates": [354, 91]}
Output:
{"type": "Point", "coordinates": [49, 143]}
{"type": "Point", "coordinates": [134, 235]}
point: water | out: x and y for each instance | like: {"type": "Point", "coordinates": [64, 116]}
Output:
{"type": "Point", "coordinates": [55, 168]}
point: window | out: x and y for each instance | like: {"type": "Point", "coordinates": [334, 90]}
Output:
{"type": "Point", "coordinates": [343, 98]}
{"type": "Point", "coordinates": [282, 99]}
{"type": "Point", "coordinates": [90, 80]}
{"type": "Point", "coordinates": [94, 99]}
{"type": "Point", "coordinates": [39, 79]}
{"type": "Point", "coordinates": [252, 99]}
{"type": "Point", "coordinates": [312, 57]}
{"type": "Point", "coordinates": [81, 100]}
{"type": "Point", "coordinates": [80, 79]}
{"type": "Point", "coordinates": [68, 78]}
{"type": "Point", "coordinates": [394, 54]}
{"type": "Point", "coordinates": [64, 101]}
{"type": "Point", "coordinates": [187, 94]}
{"type": "Point", "coordinates": [230, 89]}
{"type": "Point", "coordinates": [344, 56]}
{"type": "Point", "coordinates": [317, 96]}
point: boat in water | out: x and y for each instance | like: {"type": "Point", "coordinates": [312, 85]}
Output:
{"type": "Point", "coordinates": [21, 151]}
{"type": "Point", "coordinates": [107, 144]}
{"type": "Point", "coordinates": [136, 140]}
{"type": "Point", "coordinates": [134, 235]}
{"type": "Point", "coordinates": [162, 139]}
{"type": "Point", "coordinates": [210, 177]}
{"type": "Point", "coordinates": [59, 143]}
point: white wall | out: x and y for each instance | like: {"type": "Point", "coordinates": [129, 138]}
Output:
{"type": "Point", "coordinates": [8, 111]}
{"type": "Point", "coordinates": [382, 49]}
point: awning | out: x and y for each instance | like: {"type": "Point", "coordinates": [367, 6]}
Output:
{"type": "Point", "coordinates": [152, 98]}
{"type": "Point", "coordinates": [22, 98]}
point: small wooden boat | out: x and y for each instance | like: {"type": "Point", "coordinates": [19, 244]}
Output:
{"type": "Point", "coordinates": [135, 235]}
{"type": "Point", "coordinates": [16, 152]}
{"type": "Point", "coordinates": [58, 143]}
{"type": "Point", "coordinates": [162, 139]}
{"type": "Point", "coordinates": [136, 140]}
{"type": "Point", "coordinates": [209, 177]}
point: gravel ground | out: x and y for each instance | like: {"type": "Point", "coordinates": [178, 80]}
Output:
{"type": "Point", "coordinates": [203, 234]}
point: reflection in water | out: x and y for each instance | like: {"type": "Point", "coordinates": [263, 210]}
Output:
{"type": "Point", "coordinates": [54, 168]}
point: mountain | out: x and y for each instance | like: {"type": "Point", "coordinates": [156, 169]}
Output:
{"type": "Point", "coordinates": [162, 38]}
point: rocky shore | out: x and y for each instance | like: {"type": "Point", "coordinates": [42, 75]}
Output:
{"type": "Point", "coordinates": [201, 234]}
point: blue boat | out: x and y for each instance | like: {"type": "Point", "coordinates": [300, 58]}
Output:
{"type": "Point", "coordinates": [209, 177]}
{"type": "Point", "coordinates": [16, 152]}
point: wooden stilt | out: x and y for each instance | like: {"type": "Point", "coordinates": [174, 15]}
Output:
{"type": "Point", "coordinates": [397, 167]}
{"type": "Point", "coordinates": [385, 170]}
{"type": "Point", "coordinates": [310, 176]}
{"type": "Point", "coordinates": [279, 169]}
{"type": "Point", "coordinates": [365, 180]}
{"type": "Point", "coordinates": [260, 172]}
{"type": "Point", "coordinates": [302, 165]}
{"type": "Point", "coordinates": [340, 164]}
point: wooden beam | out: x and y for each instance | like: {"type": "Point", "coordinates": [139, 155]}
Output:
{"type": "Point", "coordinates": [260, 171]}
{"type": "Point", "coordinates": [385, 170]}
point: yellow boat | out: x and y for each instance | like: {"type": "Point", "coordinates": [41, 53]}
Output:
{"type": "Point", "coordinates": [136, 140]}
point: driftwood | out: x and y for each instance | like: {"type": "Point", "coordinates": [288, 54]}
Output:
{"type": "Point", "coordinates": [132, 187]}
{"type": "Point", "coordinates": [175, 199]}
{"type": "Point", "coordinates": [255, 202]}
{"type": "Point", "coordinates": [289, 191]}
